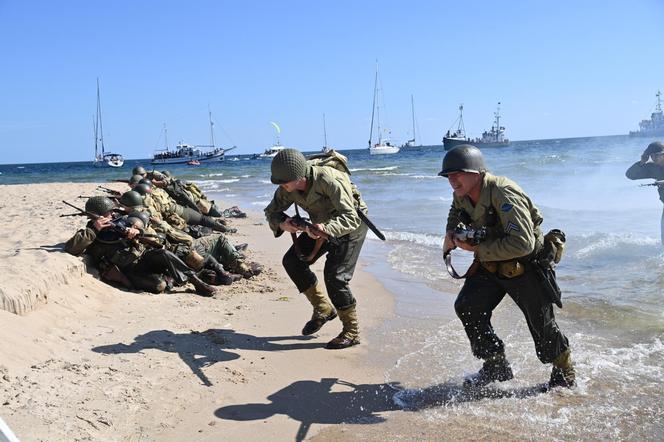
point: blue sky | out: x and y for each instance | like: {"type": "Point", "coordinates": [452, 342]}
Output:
{"type": "Point", "coordinates": [560, 69]}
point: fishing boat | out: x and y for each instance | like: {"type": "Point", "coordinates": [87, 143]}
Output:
{"type": "Point", "coordinates": [411, 142]}
{"type": "Point", "coordinates": [103, 158]}
{"type": "Point", "coordinates": [185, 153]}
{"type": "Point", "coordinates": [457, 136]}
{"type": "Point", "coordinates": [495, 137]}
{"type": "Point", "coordinates": [655, 125]}
{"type": "Point", "coordinates": [382, 145]}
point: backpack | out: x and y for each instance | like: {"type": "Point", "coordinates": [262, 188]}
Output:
{"type": "Point", "coordinates": [334, 159]}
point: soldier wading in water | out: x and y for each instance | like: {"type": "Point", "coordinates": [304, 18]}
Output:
{"type": "Point", "coordinates": [332, 202]}
{"type": "Point", "coordinates": [504, 263]}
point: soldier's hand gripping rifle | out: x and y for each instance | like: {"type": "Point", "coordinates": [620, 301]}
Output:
{"type": "Point", "coordinates": [465, 234]}
{"type": "Point", "coordinates": [305, 225]}
{"type": "Point", "coordinates": [116, 224]}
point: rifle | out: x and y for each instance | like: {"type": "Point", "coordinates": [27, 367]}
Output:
{"type": "Point", "coordinates": [115, 193]}
{"type": "Point", "coordinates": [120, 181]}
{"type": "Point", "coordinates": [657, 183]}
{"type": "Point", "coordinates": [305, 224]}
{"type": "Point", "coordinates": [148, 238]}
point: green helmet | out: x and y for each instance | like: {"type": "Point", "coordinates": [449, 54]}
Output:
{"type": "Point", "coordinates": [99, 205]}
{"type": "Point", "coordinates": [135, 179]}
{"type": "Point", "coordinates": [654, 147]}
{"type": "Point", "coordinates": [463, 158]}
{"type": "Point", "coordinates": [138, 170]}
{"type": "Point", "coordinates": [143, 189]}
{"type": "Point", "coordinates": [289, 165]}
{"type": "Point", "coordinates": [131, 199]}
{"type": "Point", "coordinates": [167, 173]}
{"type": "Point", "coordinates": [143, 216]}
{"type": "Point", "coordinates": [146, 181]}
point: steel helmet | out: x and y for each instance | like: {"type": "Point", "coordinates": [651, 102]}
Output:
{"type": "Point", "coordinates": [143, 189]}
{"type": "Point", "coordinates": [99, 205]}
{"type": "Point", "coordinates": [288, 165]}
{"type": "Point", "coordinates": [143, 216]}
{"type": "Point", "coordinates": [135, 179]}
{"type": "Point", "coordinates": [654, 147]}
{"type": "Point", "coordinates": [138, 170]}
{"type": "Point", "coordinates": [131, 199]}
{"type": "Point", "coordinates": [463, 158]}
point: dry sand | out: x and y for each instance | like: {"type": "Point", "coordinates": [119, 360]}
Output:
{"type": "Point", "coordinates": [86, 361]}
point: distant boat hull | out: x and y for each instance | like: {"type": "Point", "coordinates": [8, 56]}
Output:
{"type": "Point", "coordinates": [491, 144]}
{"type": "Point", "coordinates": [109, 160]}
{"type": "Point", "coordinates": [647, 133]}
{"type": "Point", "coordinates": [450, 142]}
{"type": "Point", "coordinates": [383, 149]}
{"type": "Point", "coordinates": [184, 160]}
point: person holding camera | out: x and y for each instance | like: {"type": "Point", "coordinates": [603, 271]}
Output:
{"type": "Point", "coordinates": [505, 263]}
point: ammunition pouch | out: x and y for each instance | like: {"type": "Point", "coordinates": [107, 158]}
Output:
{"type": "Point", "coordinates": [505, 269]}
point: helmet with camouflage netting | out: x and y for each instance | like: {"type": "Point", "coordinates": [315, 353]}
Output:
{"type": "Point", "coordinates": [288, 165]}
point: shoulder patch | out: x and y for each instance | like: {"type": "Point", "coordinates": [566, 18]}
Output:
{"type": "Point", "coordinates": [506, 207]}
{"type": "Point", "coordinates": [511, 227]}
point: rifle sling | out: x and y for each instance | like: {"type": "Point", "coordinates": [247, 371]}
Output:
{"type": "Point", "coordinates": [311, 257]}
{"type": "Point", "coordinates": [447, 257]}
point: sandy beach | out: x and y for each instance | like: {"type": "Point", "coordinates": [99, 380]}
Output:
{"type": "Point", "coordinates": [82, 360]}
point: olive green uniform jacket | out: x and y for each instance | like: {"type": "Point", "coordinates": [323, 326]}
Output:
{"type": "Point", "coordinates": [511, 218]}
{"type": "Point", "coordinates": [330, 199]}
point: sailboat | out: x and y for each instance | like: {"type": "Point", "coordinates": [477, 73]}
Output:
{"type": "Point", "coordinates": [382, 146]}
{"type": "Point", "coordinates": [187, 153]}
{"type": "Point", "coordinates": [325, 148]}
{"type": "Point", "coordinates": [103, 158]}
{"type": "Point", "coordinates": [452, 139]}
{"type": "Point", "coordinates": [411, 142]}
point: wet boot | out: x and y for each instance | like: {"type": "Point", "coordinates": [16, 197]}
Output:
{"type": "Point", "coordinates": [202, 288]}
{"type": "Point", "coordinates": [563, 374]}
{"type": "Point", "coordinates": [350, 334]}
{"type": "Point", "coordinates": [323, 310]}
{"type": "Point", "coordinates": [495, 368]}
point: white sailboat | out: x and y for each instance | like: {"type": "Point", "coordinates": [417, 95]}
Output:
{"type": "Point", "coordinates": [103, 158]}
{"type": "Point", "coordinates": [411, 142]}
{"type": "Point", "coordinates": [325, 148]}
{"type": "Point", "coordinates": [382, 146]}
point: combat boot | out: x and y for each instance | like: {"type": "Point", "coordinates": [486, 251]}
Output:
{"type": "Point", "coordinates": [495, 368]}
{"type": "Point", "coordinates": [221, 276]}
{"type": "Point", "coordinates": [350, 334]}
{"type": "Point", "coordinates": [563, 374]}
{"type": "Point", "coordinates": [202, 288]}
{"type": "Point", "coordinates": [323, 310]}
{"type": "Point", "coordinates": [247, 270]}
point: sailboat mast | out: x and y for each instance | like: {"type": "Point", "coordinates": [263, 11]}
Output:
{"type": "Point", "coordinates": [211, 128]}
{"type": "Point", "coordinates": [166, 137]}
{"type": "Point", "coordinates": [412, 110]}
{"type": "Point", "coordinates": [324, 132]}
{"type": "Point", "coordinates": [94, 131]}
{"type": "Point", "coordinates": [101, 129]}
{"type": "Point", "coordinates": [373, 106]}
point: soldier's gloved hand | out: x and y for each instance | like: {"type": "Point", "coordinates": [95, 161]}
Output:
{"type": "Point", "coordinates": [101, 223]}
{"type": "Point", "coordinates": [288, 226]}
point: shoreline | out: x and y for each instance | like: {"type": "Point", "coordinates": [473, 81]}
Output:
{"type": "Point", "coordinates": [89, 361]}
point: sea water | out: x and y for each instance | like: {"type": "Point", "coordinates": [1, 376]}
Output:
{"type": "Point", "coordinates": [612, 278]}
